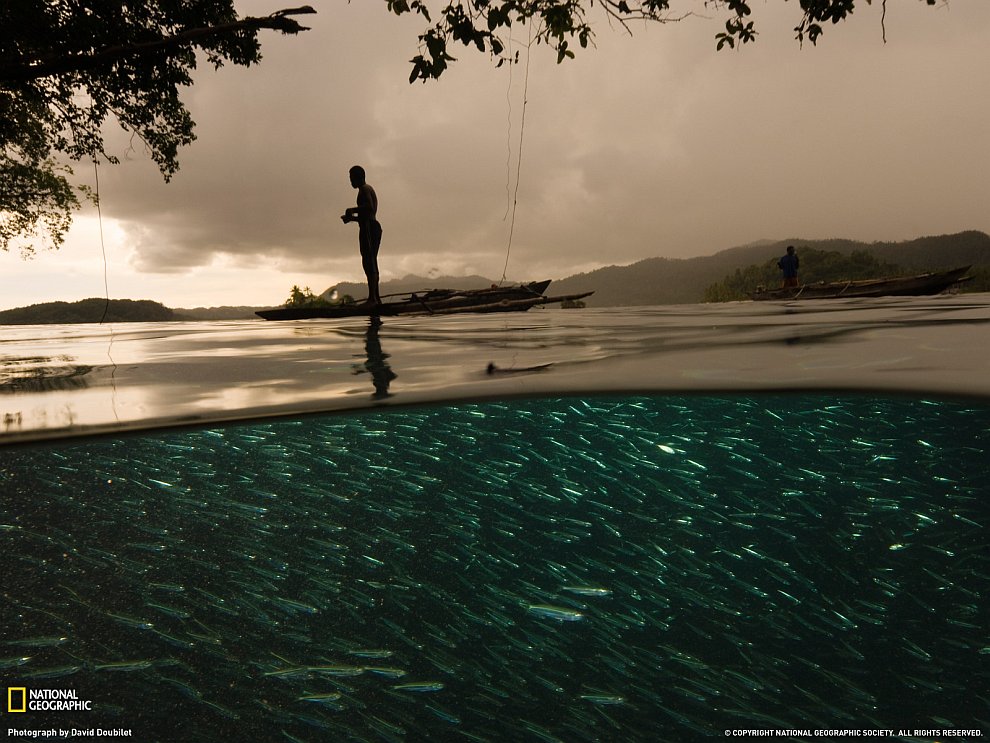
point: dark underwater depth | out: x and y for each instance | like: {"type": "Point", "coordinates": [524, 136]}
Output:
{"type": "Point", "coordinates": [635, 568]}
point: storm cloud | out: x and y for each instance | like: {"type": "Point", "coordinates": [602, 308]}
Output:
{"type": "Point", "coordinates": [652, 144]}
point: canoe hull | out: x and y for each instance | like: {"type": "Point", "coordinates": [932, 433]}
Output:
{"type": "Point", "coordinates": [905, 286]}
{"type": "Point", "coordinates": [516, 298]}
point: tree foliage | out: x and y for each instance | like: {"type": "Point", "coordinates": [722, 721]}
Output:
{"type": "Point", "coordinates": [816, 265]}
{"type": "Point", "coordinates": [980, 281]}
{"type": "Point", "coordinates": [67, 66]}
{"type": "Point", "coordinates": [88, 311]}
{"type": "Point", "coordinates": [305, 298]}
{"type": "Point", "coordinates": [560, 23]}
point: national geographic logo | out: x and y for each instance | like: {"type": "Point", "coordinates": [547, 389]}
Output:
{"type": "Point", "coordinates": [22, 699]}
{"type": "Point", "coordinates": [16, 699]}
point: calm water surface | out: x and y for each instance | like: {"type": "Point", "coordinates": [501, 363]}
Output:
{"type": "Point", "coordinates": [651, 524]}
{"type": "Point", "coordinates": [80, 379]}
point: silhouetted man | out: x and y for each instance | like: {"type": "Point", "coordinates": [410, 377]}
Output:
{"type": "Point", "coordinates": [789, 265]}
{"type": "Point", "coordinates": [369, 230]}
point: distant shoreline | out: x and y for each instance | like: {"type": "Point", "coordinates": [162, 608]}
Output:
{"type": "Point", "coordinates": [652, 281]}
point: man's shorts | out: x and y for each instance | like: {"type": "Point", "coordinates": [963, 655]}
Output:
{"type": "Point", "coordinates": [371, 239]}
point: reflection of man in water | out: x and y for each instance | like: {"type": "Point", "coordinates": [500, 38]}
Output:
{"type": "Point", "coordinates": [370, 231]}
{"type": "Point", "coordinates": [381, 372]}
{"type": "Point", "coordinates": [789, 265]}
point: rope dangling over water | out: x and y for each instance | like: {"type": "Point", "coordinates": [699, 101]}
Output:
{"type": "Point", "coordinates": [519, 153]}
{"type": "Point", "coordinates": [103, 246]}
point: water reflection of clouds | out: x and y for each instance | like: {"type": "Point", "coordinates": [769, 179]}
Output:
{"type": "Point", "coordinates": [181, 373]}
{"type": "Point", "coordinates": [41, 374]}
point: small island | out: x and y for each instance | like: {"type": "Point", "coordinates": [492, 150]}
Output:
{"type": "Point", "coordinates": [89, 311]}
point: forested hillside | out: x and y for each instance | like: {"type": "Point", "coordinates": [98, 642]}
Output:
{"type": "Point", "coordinates": [88, 310]}
{"type": "Point", "coordinates": [728, 274]}
{"type": "Point", "coordinates": [684, 281]}
{"type": "Point", "coordinates": [816, 265]}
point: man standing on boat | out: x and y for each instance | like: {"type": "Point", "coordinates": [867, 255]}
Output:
{"type": "Point", "coordinates": [789, 265]}
{"type": "Point", "coordinates": [369, 230]}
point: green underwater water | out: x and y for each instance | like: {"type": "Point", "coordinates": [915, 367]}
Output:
{"type": "Point", "coordinates": [574, 569]}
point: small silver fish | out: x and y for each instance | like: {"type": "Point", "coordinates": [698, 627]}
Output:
{"type": "Point", "coordinates": [557, 613]}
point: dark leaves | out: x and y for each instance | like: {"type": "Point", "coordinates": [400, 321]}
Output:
{"type": "Point", "coordinates": [67, 67]}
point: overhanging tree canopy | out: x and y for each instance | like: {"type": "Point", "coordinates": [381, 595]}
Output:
{"type": "Point", "coordinates": [558, 23]}
{"type": "Point", "coordinates": [66, 66]}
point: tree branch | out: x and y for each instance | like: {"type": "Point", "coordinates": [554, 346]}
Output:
{"type": "Point", "coordinates": [62, 64]}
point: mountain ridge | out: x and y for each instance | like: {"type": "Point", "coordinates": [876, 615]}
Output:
{"type": "Point", "coordinates": [684, 280]}
{"type": "Point", "coordinates": [650, 281]}
{"type": "Point", "coordinates": [659, 280]}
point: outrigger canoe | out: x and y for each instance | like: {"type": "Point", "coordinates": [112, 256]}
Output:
{"type": "Point", "coordinates": [514, 298]}
{"type": "Point", "coordinates": [903, 286]}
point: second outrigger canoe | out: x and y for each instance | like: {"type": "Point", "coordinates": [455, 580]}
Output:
{"type": "Point", "coordinates": [902, 286]}
{"type": "Point", "coordinates": [514, 298]}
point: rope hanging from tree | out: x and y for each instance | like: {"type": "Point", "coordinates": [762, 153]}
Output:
{"type": "Point", "coordinates": [519, 152]}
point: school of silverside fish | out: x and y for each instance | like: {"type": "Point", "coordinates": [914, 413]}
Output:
{"type": "Point", "coordinates": [546, 570]}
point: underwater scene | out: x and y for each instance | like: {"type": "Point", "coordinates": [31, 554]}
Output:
{"type": "Point", "coordinates": [660, 567]}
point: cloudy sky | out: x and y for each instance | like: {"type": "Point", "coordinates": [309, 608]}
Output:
{"type": "Point", "coordinates": [649, 145]}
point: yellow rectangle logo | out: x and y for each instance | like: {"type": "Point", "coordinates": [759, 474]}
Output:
{"type": "Point", "coordinates": [12, 695]}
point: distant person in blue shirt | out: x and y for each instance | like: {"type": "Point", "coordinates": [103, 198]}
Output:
{"type": "Point", "coordinates": [789, 265]}
{"type": "Point", "coordinates": [369, 230]}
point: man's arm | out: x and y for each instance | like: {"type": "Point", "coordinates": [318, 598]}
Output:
{"type": "Point", "coordinates": [366, 208]}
